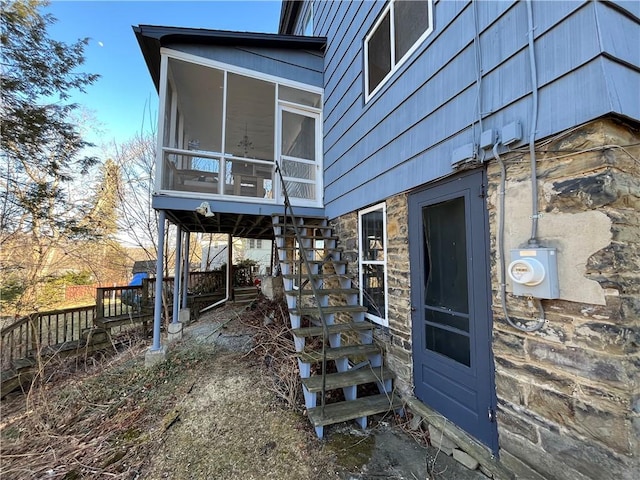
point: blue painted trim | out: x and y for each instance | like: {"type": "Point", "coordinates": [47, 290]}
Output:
{"type": "Point", "coordinates": [173, 202]}
{"type": "Point", "coordinates": [157, 307]}
{"type": "Point", "coordinates": [176, 275]}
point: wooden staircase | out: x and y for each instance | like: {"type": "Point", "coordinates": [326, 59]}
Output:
{"type": "Point", "coordinates": [244, 295]}
{"type": "Point", "coordinates": [329, 327]}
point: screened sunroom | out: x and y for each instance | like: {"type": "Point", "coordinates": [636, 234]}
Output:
{"type": "Point", "coordinates": [232, 107]}
{"type": "Point", "coordinates": [224, 128]}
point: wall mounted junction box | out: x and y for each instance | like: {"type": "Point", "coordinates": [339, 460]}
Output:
{"type": "Point", "coordinates": [534, 272]}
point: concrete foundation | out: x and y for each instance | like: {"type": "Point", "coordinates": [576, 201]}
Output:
{"type": "Point", "coordinates": [174, 331]}
{"type": "Point", "coordinates": [184, 316]}
{"type": "Point", "coordinates": [272, 287]}
{"type": "Point", "coordinates": [153, 357]}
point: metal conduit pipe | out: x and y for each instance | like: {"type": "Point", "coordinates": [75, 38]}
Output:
{"type": "Point", "coordinates": [533, 240]}
{"type": "Point", "coordinates": [500, 241]}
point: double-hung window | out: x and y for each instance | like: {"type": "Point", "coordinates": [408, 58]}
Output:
{"type": "Point", "coordinates": [372, 228]}
{"type": "Point", "coordinates": [400, 29]}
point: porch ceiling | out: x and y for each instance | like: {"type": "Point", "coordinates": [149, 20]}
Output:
{"type": "Point", "coordinates": [236, 224]}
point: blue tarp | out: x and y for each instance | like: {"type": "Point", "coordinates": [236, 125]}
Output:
{"type": "Point", "coordinates": [136, 281]}
{"type": "Point", "coordinates": [130, 297]}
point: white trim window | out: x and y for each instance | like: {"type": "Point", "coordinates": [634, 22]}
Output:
{"type": "Point", "coordinates": [400, 29]}
{"type": "Point", "coordinates": [372, 233]}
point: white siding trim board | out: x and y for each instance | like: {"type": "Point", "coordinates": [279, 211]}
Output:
{"type": "Point", "coordinates": [187, 57]}
{"type": "Point", "coordinates": [390, 13]}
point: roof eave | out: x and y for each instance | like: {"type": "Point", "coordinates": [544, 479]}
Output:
{"type": "Point", "coordinates": [151, 38]}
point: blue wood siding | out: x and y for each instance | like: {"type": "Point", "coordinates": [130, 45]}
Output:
{"type": "Point", "coordinates": [297, 65]}
{"type": "Point", "coordinates": [588, 65]}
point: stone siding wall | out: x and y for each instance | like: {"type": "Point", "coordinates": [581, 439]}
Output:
{"type": "Point", "coordinates": [569, 395]}
{"type": "Point", "coordinates": [397, 338]}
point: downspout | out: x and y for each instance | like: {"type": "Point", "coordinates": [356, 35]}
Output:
{"type": "Point", "coordinates": [176, 276]}
{"type": "Point", "coordinates": [157, 305]}
{"type": "Point", "coordinates": [228, 280]}
{"type": "Point", "coordinates": [185, 268]}
{"type": "Point", "coordinates": [533, 240]}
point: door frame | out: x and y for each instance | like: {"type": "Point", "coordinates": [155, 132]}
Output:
{"type": "Point", "coordinates": [316, 164]}
{"type": "Point", "coordinates": [466, 184]}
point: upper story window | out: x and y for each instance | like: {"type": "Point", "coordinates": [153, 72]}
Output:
{"type": "Point", "coordinates": [400, 29]}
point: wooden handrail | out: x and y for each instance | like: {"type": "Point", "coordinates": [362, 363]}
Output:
{"type": "Point", "coordinates": [307, 264]}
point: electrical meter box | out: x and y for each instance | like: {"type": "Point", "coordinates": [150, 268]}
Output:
{"type": "Point", "coordinates": [534, 272]}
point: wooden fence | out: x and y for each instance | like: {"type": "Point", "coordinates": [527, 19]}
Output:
{"type": "Point", "coordinates": [115, 306]}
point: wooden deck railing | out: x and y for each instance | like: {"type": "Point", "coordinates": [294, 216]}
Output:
{"type": "Point", "coordinates": [30, 334]}
{"type": "Point", "coordinates": [114, 306]}
{"type": "Point", "coordinates": [120, 301]}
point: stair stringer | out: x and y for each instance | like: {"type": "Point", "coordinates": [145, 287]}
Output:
{"type": "Point", "coordinates": [312, 235]}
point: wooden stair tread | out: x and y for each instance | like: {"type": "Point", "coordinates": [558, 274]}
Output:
{"type": "Point", "coordinates": [359, 376]}
{"type": "Point", "coordinates": [312, 310]}
{"type": "Point", "coordinates": [310, 356]}
{"type": "Point", "coordinates": [360, 407]}
{"type": "Point", "coordinates": [305, 217]}
{"type": "Point", "coordinates": [323, 291]}
{"type": "Point", "coordinates": [314, 262]}
{"type": "Point", "coordinates": [335, 328]}
{"type": "Point", "coordinates": [314, 276]}
{"type": "Point", "coordinates": [324, 248]}
{"type": "Point", "coordinates": [306, 236]}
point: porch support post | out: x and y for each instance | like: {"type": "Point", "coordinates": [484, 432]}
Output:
{"type": "Point", "coordinates": [230, 266]}
{"type": "Point", "coordinates": [185, 268]}
{"type": "Point", "coordinates": [157, 306]}
{"type": "Point", "coordinates": [176, 275]}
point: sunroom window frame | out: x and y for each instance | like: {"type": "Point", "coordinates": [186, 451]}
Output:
{"type": "Point", "coordinates": [382, 321]}
{"type": "Point", "coordinates": [166, 54]}
{"type": "Point", "coordinates": [395, 65]}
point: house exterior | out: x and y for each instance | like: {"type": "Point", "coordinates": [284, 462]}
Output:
{"type": "Point", "coordinates": [479, 162]}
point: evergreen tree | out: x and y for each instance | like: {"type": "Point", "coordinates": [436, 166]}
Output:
{"type": "Point", "coordinates": [41, 147]}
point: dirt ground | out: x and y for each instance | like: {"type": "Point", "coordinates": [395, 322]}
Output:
{"type": "Point", "coordinates": [211, 411]}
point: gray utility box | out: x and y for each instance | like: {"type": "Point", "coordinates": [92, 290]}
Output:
{"type": "Point", "coordinates": [534, 272]}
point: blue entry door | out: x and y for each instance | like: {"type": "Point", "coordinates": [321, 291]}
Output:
{"type": "Point", "coordinates": [450, 294]}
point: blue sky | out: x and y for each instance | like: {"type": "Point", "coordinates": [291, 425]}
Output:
{"type": "Point", "coordinates": [122, 96]}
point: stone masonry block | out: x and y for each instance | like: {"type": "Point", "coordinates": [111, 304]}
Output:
{"type": "Point", "coordinates": [440, 441]}
{"type": "Point", "coordinates": [515, 423]}
{"type": "Point", "coordinates": [580, 362]}
{"type": "Point", "coordinates": [465, 459]}
{"type": "Point", "coordinates": [587, 460]}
